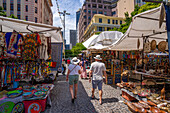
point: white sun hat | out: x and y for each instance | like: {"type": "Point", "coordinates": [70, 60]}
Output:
{"type": "Point", "coordinates": [75, 60]}
{"type": "Point", "coordinates": [98, 57]}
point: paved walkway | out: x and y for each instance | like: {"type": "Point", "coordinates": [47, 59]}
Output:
{"type": "Point", "coordinates": [61, 99]}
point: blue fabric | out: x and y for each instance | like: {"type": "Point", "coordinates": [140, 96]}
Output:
{"type": "Point", "coordinates": [14, 46]}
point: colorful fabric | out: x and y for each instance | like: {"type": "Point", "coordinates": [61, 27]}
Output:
{"type": "Point", "coordinates": [13, 40]}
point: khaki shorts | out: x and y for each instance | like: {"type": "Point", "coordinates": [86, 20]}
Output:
{"type": "Point", "coordinates": [73, 79]}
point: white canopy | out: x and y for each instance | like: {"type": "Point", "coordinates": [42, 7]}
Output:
{"type": "Point", "coordinates": [87, 42]}
{"type": "Point", "coordinates": [105, 39]}
{"type": "Point", "coordinates": [9, 25]}
{"type": "Point", "coordinates": [145, 24]}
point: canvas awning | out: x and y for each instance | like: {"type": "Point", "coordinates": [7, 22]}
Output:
{"type": "Point", "coordinates": [105, 39]}
{"type": "Point", "coordinates": [9, 25]}
{"type": "Point", "coordinates": [87, 42]}
{"type": "Point", "coordinates": [145, 24]}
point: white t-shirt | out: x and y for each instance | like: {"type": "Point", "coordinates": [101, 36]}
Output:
{"type": "Point", "coordinates": [98, 68]}
{"type": "Point", "coordinates": [75, 70]}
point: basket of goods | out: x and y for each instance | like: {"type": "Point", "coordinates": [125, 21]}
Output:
{"type": "Point", "coordinates": [131, 107]}
{"type": "Point", "coordinates": [144, 105]}
{"type": "Point", "coordinates": [27, 95]}
{"type": "Point", "coordinates": [13, 94]}
{"type": "Point", "coordinates": [155, 110]}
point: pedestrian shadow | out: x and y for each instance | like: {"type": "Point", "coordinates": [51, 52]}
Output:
{"type": "Point", "coordinates": [110, 100]}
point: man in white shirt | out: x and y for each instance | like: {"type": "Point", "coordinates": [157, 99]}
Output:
{"type": "Point", "coordinates": [98, 69]}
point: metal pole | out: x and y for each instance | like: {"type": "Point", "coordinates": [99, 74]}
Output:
{"type": "Point", "coordinates": [64, 32]}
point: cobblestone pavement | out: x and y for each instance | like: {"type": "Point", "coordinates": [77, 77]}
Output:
{"type": "Point", "coordinates": [61, 99]}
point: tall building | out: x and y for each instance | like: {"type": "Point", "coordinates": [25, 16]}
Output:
{"type": "Point", "coordinates": [77, 20]}
{"type": "Point", "coordinates": [124, 6]}
{"type": "Point", "coordinates": [38, 11]}
{"type": "Point", "coordinates": [91, 7]}
{"type": "Point", "coordinates": [73, 39]}
{"type": "Point", "coordinates": [101, 23]}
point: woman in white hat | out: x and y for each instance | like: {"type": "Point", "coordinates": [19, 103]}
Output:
{"type": "Point", "coordinates": [73, 76]}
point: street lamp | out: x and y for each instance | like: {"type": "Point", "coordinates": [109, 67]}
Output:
{"type": "Point", "coordinates": [64, 13]}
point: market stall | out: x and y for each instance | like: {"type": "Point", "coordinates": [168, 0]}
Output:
{"type": "Point", "coordinates": [24, 49]}
{"type": "Point", "coordinates": [152, 93]}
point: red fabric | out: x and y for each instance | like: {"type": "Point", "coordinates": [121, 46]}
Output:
{"type": "Point", "coordinates": [68, 61]}
{"type": "Point", "coordinates": [54, 64]}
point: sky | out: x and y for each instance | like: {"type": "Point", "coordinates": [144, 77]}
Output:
{"type": "Point", "coordinates": [71, 6]}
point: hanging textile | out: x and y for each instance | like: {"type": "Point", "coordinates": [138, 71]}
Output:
{"type": "Point", "coordinates": [12, 40]}
{"type": "Point", "coordinates": [2, 44]}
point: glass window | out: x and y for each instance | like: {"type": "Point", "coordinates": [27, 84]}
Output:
{"type": "Point", "coordinates": [105, 13]}
{"type": "Point", "coordinates": [35, 9]}
{"type": "Point", "coordinates": [26, 18]}
{"type": "Point", "coordinates": [26, 8]}
{"type": "Point", "coordinates": [100, 20]}
{"type": "Point", "coordinates": [100, 28]}
{"type": "Point", "coordinates": [116, 21]}
{"type": "Point", "coordinates": [94, 12]}
{"type": "Point", "coordinates": [85, 23]}
{"type": "Point", "coordinates": [85, 10]}
{"type": "Point", "coordinates": [114, 12]}
{"type": "Point", "coordinates": [100, 12]}
{"type": "Point", "coordinates": [108, 21]}
{"type": "Point", "coordinates": [18, 7]}
{"type": "Point", "coordinates": [35, 1]}
{"type": "Point", "coordinates": [100, 6]}
{"type": "Point", "coordinates": [85, 17]}
{"type": "Point", "coordinates": [11, 6]}
{"type": "Point", "coordinates": [93, 0]}
{"type": "Point", "coordinates": [26, 0]}
{"type": "Point", "coordinates": [120, 22]}
{"type": "Point", "coordinates": [89, 17]}
{"type": "Point", "coordinates": [94, 6]}
{"type": "Point", "coordinates": [18, 16]}
{"type": "Point", "coordinates": [99, 1]}
{"type": "Point", "coordinates": [105, 7]}
{"type": "Point", "coordinates": [113, 21]}
{"type": "Point", "coordinates": [89, 5]}
{"type": "Point", "coordinates": [35, 19]}
{"type": "Point", "coordinates": [89, 11]}
{"type": "Point", "coordinates": [4, 6]}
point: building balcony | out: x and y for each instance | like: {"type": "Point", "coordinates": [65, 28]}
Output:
{"type": "Point", "coordinates": [114, 5]}
{"type": "Point", "coordinates": [114, 1]}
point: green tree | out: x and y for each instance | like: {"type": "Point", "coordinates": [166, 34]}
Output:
{"type": "Point", "coordinates": [12, 16]}
{"type": "Point", "coordinates": [128, 19]}
{"type": "Point", "coordinates": [2, 12]}
{"type": "Point", "coordinates": [77, 49]}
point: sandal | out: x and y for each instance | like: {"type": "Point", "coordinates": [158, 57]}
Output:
{"type": "Point", "coordinates": [92, 97]}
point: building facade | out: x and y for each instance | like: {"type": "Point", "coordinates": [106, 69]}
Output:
{"type": "Point", "coordinates": [92, 7]}
{"type": "Point", "coordinates": [73, 39]}
{"type": "Point", "coordinates": [77, 21]}
{"type": "Point", "coordinates": [124, 6]}
{"type": "Point", "coordinates": [38, 11]}
{"type": "Point", "coordinates": [101, 23]}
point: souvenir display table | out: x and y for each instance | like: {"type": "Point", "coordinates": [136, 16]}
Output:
{"type": "Point", "coordinates": [29, 99]}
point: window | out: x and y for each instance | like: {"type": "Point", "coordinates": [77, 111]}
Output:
{"type": "Point", "coordinates": [26, 0]}
{"type": "Point", "coordinates": [35, 1]}
{"type": "Point", "coordinates": [105, 7]}
{"type": "Point", "coordinates": [99, 1]}
{"type": "Point", "coordinates": [105, 13]}
{"type": "Point", "coordinates": [113, 21]}
{"type": "Point", "coordinates": [89, 11]}
{"type": "Point", "coordinates": [4, 6]}
{"type": "Point", "coordinates": [26, 8]}
{"type": "Point", "coordinates": [93, 0]}
{"type": "Point", "coordinates": [94, 12]}
{"type": "Point", "coordinates": [113, 13]}
{"type": "Point", "coordinates": [108, 28]}
{"type": "Point", "coordinates": [89, 17]}
{"type": "Point", "coordinates": [100, 28]}
{"type": "Point", "coordinates": [26, 18]}
{"type": "Point", "coordinates": [120, 22]}
{"type": "Point", "coordinates": [100, 12]}
{"type": "Point", "coordinates": [11, 6]}
{"type": "Point", "coordinates": [100, 6]}
{"type": "Point", "coordinates": [18, 16]}
{"type": "Point", "coordinates": [18, 7]}
{"type": "Point", "coordinates": [108, 21]}
{"type": "Point", "coordinates": [94, 6]}
{"type": "Point", "coordinates": [85, 23]}
{"type": "Point", "coordinates": [35, 19]}
{"type": "Point", "coordinates": [100, 20]}
{"type": "Point", "coordinates": [85, 17]}
{"type": "Point", "coordinates": [35, 9]}
{"type": "Point", "coordinates": [85, 10]}
{"type": "Point", "coordinates": [116, 21]}
{"type": "Point", "coordinates": [89, 5]}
